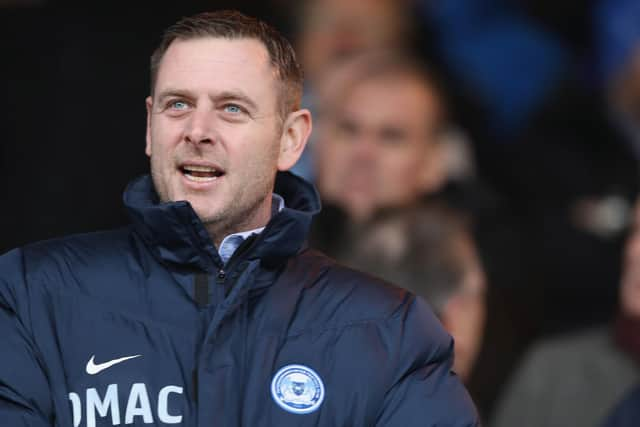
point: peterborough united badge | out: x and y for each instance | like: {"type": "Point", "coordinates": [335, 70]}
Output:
{"type": "Point", "coordinates": [297, 389]}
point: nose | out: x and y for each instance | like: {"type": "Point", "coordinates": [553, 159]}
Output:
{"type": "Point", "coordinates": [364, 150]}
{"type": "Point", "coordinates": [200, 127]}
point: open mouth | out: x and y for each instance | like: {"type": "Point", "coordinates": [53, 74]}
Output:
{"type": "Point", "coordinates": [200, 173]}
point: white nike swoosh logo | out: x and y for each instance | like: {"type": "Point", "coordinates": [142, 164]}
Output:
{"type": "Point", "coordinates": [93, 369]}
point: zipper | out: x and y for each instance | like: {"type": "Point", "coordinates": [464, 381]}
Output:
{"type": "Point", "coordinates": [201, 291]}
{"type": "Point", "coordinates": [243, 249]}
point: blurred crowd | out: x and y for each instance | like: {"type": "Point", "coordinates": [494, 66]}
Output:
{"type": "Point", "coordinates": [473, 156]}
{"type": "Point", "coordinates": [487, 162]}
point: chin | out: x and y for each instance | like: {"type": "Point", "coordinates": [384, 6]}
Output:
{"type": "Point", "coordinates": [205, 214]}
{"type": "Point", "coordinates": [206, 211]}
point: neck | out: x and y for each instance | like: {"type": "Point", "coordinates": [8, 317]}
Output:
{"type": "Point", "coordinates": [257, 217]}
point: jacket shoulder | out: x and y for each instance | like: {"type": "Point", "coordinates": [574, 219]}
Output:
{"type": "Point", "coordinates": [335, 295]}
{"type": "Point", "coordinates": [76, 249]}
{"type": "Point", "coordinates": [97, 240]}
{"type": "Point", "coordinates": [331, 284]}
{"type": "Point", "coordinates": [61, 260]}
{"type": "Point", "coordinates": [400, 344]}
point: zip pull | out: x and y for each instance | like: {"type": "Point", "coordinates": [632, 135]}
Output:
{"type": "Point", "coordinates": [222, 275]}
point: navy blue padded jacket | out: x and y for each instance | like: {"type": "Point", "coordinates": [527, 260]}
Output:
{"type": "Point", "coordinates": [144, 326]}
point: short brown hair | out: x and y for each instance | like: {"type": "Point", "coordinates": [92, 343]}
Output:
{"type": "Point", "coordinates": [231, 24]}
{"type": "Point", "coordinates": [373, 65]}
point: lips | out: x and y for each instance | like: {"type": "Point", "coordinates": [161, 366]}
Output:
{"type": "Point", "coordinates": [201, 173]}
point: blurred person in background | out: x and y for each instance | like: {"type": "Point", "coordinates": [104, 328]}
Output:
{"type": "Point", "coordinates": [567, 170]}
{"type": "Point", "coordinates": [429, 250]}
{"type": "Point", "coordinates": [383, 141]}
{"type": "Point", "coordinates": [576, 379]}
{"type": "Point", "coordinates": [378, 135]}
{"type": "Point", "coordinates": [329, 32]}
{"type": "Point", "coordinates": [567, 176]}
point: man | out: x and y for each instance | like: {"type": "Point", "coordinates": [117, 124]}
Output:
{"type": "Point", "coordinates": [380, 129]}
{"type": "Point", "coordinates": [383, 142]}
{"type": "Point", "coordinates": [209, 309]}
{"type": "Point", "coordinates": [577, 379]}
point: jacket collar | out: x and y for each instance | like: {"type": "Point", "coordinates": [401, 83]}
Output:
{"type": "Point", "coordinates": [177, 237]}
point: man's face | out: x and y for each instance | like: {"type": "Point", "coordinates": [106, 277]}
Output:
{"type": "Point", "coordinates": [378, 149]}
{"type": "Point", "coordinates": [213, 131]}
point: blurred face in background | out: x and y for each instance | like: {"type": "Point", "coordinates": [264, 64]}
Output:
{"type": "Point", "coordinates": [378, 148]}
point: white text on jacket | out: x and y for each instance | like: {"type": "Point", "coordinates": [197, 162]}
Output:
{"type": "Point", "coordinates": [138, 405]}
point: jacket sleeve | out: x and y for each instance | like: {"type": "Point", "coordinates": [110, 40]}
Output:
{"type": "Point", "coordinates": [425, 392]}
{"type": "Point", "coordinates": [25, 399]}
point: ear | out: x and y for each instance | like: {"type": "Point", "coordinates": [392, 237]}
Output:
{"type": "Point", "coordinates": [295, 133]}
{"type": "Point", "coordinates": [149, 103]}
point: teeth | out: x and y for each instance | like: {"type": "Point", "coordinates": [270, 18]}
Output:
{"type": "Point", "coordinates": [194, 168]}
{"type": "Point", "coordinates": [200, 178]}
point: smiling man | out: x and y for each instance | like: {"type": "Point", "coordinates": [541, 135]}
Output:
{"type": "Point", "coordinates": [209, 309]}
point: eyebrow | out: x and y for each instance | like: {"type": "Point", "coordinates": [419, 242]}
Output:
{"type": "Point", "coordinates": [168, 93]}
{"type": "Point", "coordinates": [227, 95]}
{"type": "Point", "coordinates": [236, 95]}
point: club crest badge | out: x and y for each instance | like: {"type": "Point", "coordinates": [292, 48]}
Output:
{"type": "Point", "coordinates": [297, 389]}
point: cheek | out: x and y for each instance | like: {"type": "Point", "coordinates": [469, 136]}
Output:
{"type": "Point", "coordinates": [330, 150]}
{"type": "Point", "coordinates": [402, 158]}
{"type": "Point", "coordinates": [164, 138]}
{"type": "Point", "coordinates": [254, 159]}
{"type": "Point", "coordinates": [164, 129]}
{"type": "Point", "coordinates": [399, 170]}
{"type": "Point", "coordinates": [337, 162]}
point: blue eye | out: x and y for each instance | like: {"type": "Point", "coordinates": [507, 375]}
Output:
{"type": "Point", "coordinates": [232, 108]}
{"type": "Point", "coordinates": [178, 105]}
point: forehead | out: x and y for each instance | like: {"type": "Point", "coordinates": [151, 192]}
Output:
{"type": "Point", "coordinates": [392, 100]}
{"type": "Point", "coordinates": [210, 64]}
